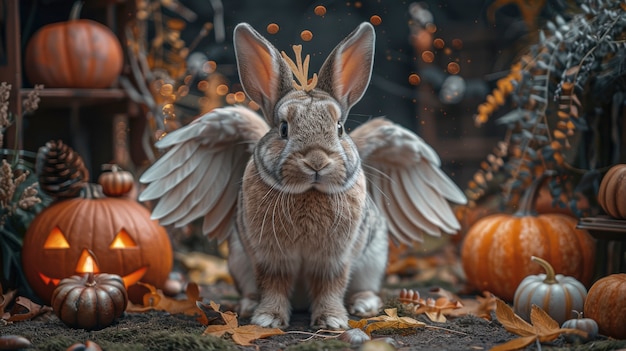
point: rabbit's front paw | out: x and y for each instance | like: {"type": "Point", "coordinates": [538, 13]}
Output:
{"type": "Point", "coordinates": [274, 316]}
{"type": "Point", "coordinates": [365, 304]}
{"type": "Point", "coordinates": [331, 320]}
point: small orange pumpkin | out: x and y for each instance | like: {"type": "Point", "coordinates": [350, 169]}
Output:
{"type": "Point", "coordinates": [116, 182]}
{"type": "Point", "coordinates": [95, 233]}
{"type": "Point", "coordinates": [497, 249]}
{"type": "Point", "coordinates": [606, 304]}
{"type": "Point", "coordinates": [612, 192]}
{"type": "Point", "coordinates": [78, 53]}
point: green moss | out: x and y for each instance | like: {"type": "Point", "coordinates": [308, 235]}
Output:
{"type": "Point", "coordinates": [602, 345]}
{"type": "Point", "coordinates": [165, 340]}
{"type": "Point", "coordinates": [320, 345]}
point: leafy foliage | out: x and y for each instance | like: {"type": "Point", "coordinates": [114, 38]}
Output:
{"type": "Point", "coordinates": [564, 94]}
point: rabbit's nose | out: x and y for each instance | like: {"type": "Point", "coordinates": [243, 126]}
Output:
{"type": "Point", "coordinates": [316, 160]}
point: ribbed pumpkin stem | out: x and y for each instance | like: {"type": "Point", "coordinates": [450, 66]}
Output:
{"type": "Point", "coordinates": [91, 279]}
{"type": "Point", "coordinates": [527, 203]}
{"type": "Point", "coordinates": [75, 12]}
{"type": "Point", "coordinates": [92, 191]}
{"type": "Point", "coordinates": [550, 275]}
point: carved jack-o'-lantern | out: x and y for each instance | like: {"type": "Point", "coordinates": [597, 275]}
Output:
{"type": "Point", "coordinates": [94, 233]}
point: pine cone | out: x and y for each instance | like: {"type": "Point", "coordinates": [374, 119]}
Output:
{"type": "Point", "coordinates": [61, 171]}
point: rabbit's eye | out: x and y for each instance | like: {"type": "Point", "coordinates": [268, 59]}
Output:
{"type": "Point", "coordinates": [339, 129]}
{"type": "Point", "coordinates": [283, 129]}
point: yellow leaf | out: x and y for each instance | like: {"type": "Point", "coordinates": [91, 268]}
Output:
{"type": "Point", "coordinates": [389, 320]}
{"type": "Point", "coordinates": [512, 322]}
{"type": "Point", "coordinates": [217, 330]}
{"type": "Point", "coordinates": [247, 333]}
{"type": "Point", "coordinates": [436, 316]}
{"type": "Point", "coordinates": [360, 324]}
{"type": "Point", "coordinates": [155, 300]}
{"type": "Point", "coordinates": [542, 321]}
{"type": "Point", "coordinates": [392, 312]}
{"type": "Point", "coordinates": [514, 344]}
{"type": "Point", "coordinates": [544, 328]}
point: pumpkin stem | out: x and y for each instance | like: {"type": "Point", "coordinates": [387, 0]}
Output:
{"type": "Point", "coordinates": [75, 12]}
{"type": "Point", "coordinates": [111, 167]}
{"type": "Point", "coordinates": [92, 191]}
{"type": "Point", "coordinates": [550, 275]}
{"type": "Point", "coordinates": [527, 204]}
{"type": "Point", "coordinates": [91, 279]}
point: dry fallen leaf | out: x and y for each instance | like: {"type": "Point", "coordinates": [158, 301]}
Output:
{"type": "Point", "coordinates": [25, 309]}
{"type": "Point", "coordinates": [480, 306]}
{"type": "Point", "coordinates": [241, 335]}
{"type": "Point", "coordinates": [543, 327]}
{"type": "Point", "coordinates": [434, 309]}
{"type": "Point", "coordinates": [389, 320]}
{"type": "Point", "coordinates": [5, 299]}
{"type": "Point", "coordinates": [155, 300]}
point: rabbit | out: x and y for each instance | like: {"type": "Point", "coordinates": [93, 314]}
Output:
{"type": "Point", "coordinates": [307, 208]}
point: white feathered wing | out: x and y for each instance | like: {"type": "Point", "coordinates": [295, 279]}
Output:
{"type": "Point", "coordinates": [406, 182]}
{"type": "Point", "coordinates": [200, 174]}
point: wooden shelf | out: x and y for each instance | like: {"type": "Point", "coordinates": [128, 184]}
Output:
{"type": "Point", "coordinates": [60, 97]}
{"type": "Point", "coordinates": [603, 227]}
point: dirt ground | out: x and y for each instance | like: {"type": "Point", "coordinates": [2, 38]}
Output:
{"type": "Point", "coordinates": [163, 331]}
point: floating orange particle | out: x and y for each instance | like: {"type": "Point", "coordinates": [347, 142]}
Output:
{"type": "Point", "coordinates": [453, 68]}
{"type": "Point", "coordinates": [431, 28]}
{"type": "Point", "coordinates": [272, 28]}
{"type": "Point", "coordinates": [428, 56]}
{"type": "Point", "coordinates": [422, 40]}
{"type": "Point", "coordinates": [376, 20]}
{"type": "Point", "coordinates": [457, 44]}
{"type": "Point", "coordinates": [414, 79]}
{"type": "Point", "coordinates": [222, 89]}
{"type": "Point", "coordinates": [306, 35]}
{"type": "Point", "coordinates": [203, 85]}
{"type": "Point", "coordinates": [209, 66]}
{"type": "Point", "coordinates": [240, 96]}
{"type": "Point", "coordinates": [439, 43]}
{"type": "Point", "coordinates": [320, 10]}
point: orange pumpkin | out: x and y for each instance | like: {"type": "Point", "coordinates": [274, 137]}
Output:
{"type": "Point", "coordinates": [116, 182]}
{"type": "Point", "coordinates": [497, 249]}
{"type": "Point", "coordinates": [95, 234]}
{"type": "Point", "coordinates": [612, 192]}
{"type": "Point", "coordinates": [606, 304]}
{"type": "Point", "coordinates": [79, 53]}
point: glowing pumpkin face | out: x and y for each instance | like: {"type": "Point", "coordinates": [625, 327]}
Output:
{"type": "Point", "coordinates": [100, 235]}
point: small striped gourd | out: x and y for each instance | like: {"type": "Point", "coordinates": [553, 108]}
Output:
{"type": "Point", "coordinates": [117, 182]}
{"type": "Point", "coordinates": [556, 294]}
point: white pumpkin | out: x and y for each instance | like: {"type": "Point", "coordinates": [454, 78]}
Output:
{"type": "Point", "coordinates": [587, 325]}
{"type": "Point", "coordinates": [556, 294]}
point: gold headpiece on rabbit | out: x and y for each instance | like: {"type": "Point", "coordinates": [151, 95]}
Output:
{"type": "Point", "coordinates": [300, 70]}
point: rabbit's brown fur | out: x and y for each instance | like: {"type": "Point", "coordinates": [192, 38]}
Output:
{"type": "Point", "coordinates": [306, 209]}
{"type": "Point", "coordinates": [301, 218]}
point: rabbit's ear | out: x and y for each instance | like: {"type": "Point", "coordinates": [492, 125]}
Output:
{"type": "Point", "coordinates": [346, 72]}
{"type": "Point", "coordinates": [264, 75]}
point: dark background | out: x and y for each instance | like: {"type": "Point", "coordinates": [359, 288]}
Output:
{"type": "Point", "coordinates": [488, 50]}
